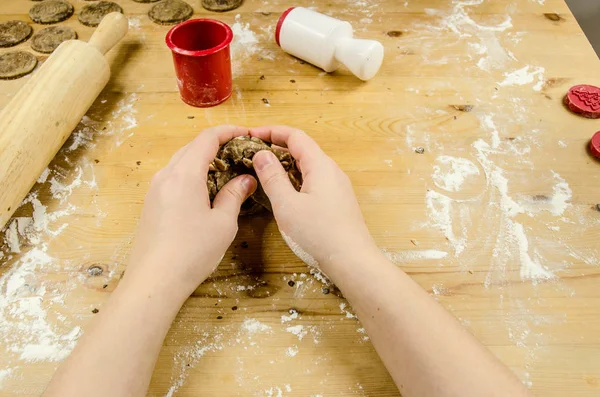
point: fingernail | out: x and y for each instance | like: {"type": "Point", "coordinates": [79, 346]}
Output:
{"type": "Point", "coordinates": [249, 185]}
{"type": "Point", "coordinates": [263, 160]}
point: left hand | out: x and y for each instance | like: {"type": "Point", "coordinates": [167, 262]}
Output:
{"type": "Point", "coordinates": [181, 239]}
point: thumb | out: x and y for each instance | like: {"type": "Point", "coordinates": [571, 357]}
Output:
{"type": "Point", "coordinates": [231, 196]}
{"type": "Point", "coordinates": [273, 178]}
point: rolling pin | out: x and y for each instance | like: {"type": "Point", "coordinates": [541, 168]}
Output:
{"type": "Point", "coordinates": [42, 115]}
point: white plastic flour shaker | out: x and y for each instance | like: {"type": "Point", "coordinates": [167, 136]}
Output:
{"type": "Point", "coordinates": [327, 42]}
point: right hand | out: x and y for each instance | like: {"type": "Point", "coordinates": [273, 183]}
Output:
{"type": "Point", "coordinates": [322, 223]}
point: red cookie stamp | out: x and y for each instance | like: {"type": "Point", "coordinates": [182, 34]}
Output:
{"type": "Point", "coordinates": [584, 100]}
{"type": "Point", "coordinates": [595, 145]}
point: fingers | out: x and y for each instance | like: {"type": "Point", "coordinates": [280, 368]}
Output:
{"type": "Point", "coordinates": [231, 197]}
{"type": "Point", "coordinates": [277, 134]}
{"type": "Point", "coordinates": [197, 155]}
{"type": "Point", "coordinates": [177, 156]}
{"type": "Point", "coordinates": [273, 178]}
{"type": "Point", "coordinates": [302, 147]}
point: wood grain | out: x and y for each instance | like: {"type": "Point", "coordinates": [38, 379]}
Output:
{"type": "Point", "coordinates": [547, 331]}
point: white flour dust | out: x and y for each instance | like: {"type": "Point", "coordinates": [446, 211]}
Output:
{"type": "Point", "coordinates": [297, 330]}
{"type": "Point", "coordinates": [37, 228]}
{"type": "Point", "coordinates": [510, 216]}
{"type": "Point", "coordinates": [123, 119]}
{"type": "Point", "coordinates": [135, 23]}
{"type": "Point", "coordinates": [348, 314]}
{"type": "Point", "coordinates": [320, 276]}
{"type": "Point", "coordinates": [34, 325]}
{"type": "Point", "coordinates": [411, 256]}
{"type": "Point", "coordinates": [273, 392]}
{"type": "Point", "coordinates": [44, 176]}
{"type": "Point", "coordinates": [488, 123]}
{"type": "Point", "coordinates": [530, 269]}
{"type": "Point", "coordinates": [454, 217]}
{"type": "Point", "coordinates": [524, 76]}
{"type": "Point", "coordinates": [482, 38]}
{"type": "Point", "coordinates": [211, 341]}
{"type": "Point", "coordinates": [291, 351]}
{"type": "Point", "coordinates": [449, 173]}
{"type": "Point", "coordinates": [556, 204]}
{"type": "Point", "coordinates": [299, 252]}
{"type": "Point", "coordinates": [187, 358]}
{"type": "Point", "coordinates": [452, 220]}
{"type": "Point", "coordinates": [302, 331]}
{"type": "Point", "coordinates": [512, 241]}
{"type": "Point", "coordinates": [25, 330]}
{"type": "Point", "coordinates": [252, 326]}
{"type": "Point", "coordinates": [81, 137]}
{"type": "Point", "coordinates": [244, 45]}
{"type": "Point", "coordinates": [4, 373]}
{"type": "Point", "coordinates": [251, 335]}
{"type": "Point", "coordinates": [364, 7]}
{"type": "Point", "coordinates": [62, 184]}
{"type": "Point", "coordinates": [120, 124]}
{"type": "Point", "coordinates": [248, 43]}
{"type": "Point", "coordinates": [459, 22]}
{"type": "Point", "coordinates": [244, 37]}
{"type": "Point", "coordinates": [31, 326]}
{"type": "Point", "coordinates": [493, 55]}
{"type": "Point", "coordinates": [293, 316]}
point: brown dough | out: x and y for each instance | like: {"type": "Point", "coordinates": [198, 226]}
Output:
{"type": "Point", "coordinates": [47, 40]}
{"type": "Point", "coordinates": [51, 11]}
{"type": "Point", "coordinates": [16, 64]}
{"type": "Point", "coordinates": [92, 14]}
{"type": "Point", "coordinates": [169, 12]}
{"type": "Point", "coordinates": [14, 32]}
{"type": "Point", "coordinates": [221, 5]}
{"type": "Point", "coordinates": [146, 1]}
{"type": "Point", "coordinates": [235, 158]}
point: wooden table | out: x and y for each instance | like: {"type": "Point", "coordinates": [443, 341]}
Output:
{"type": "Point", "coordinates": [497, 218]}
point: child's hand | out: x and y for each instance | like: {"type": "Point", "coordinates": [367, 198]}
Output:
{"type": "Point", "coordinates": [323, 219]}
{"type": "Point", "coordinates": [180, 238]}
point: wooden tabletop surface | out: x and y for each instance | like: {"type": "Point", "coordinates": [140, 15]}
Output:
{"type": "Point", "coordinates": [497, 219]}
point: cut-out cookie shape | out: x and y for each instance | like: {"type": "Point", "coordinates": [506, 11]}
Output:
{"type": "Point", "coordinates": [51, 11]}
{"type": "Point", "coordinates": [16, 64]}
{"type": "Point", "coordinates": [92, 14]}
{"type": "Point", "coordinates": [47, 40]}
{"type": "Point", "coordinates": [13, 33]}
{"type": "Point", "coordinates": [221, 5]}
{"type": "Point", "coordinates": [169, 12]}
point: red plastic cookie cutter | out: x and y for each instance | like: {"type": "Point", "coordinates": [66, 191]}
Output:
{"type": "Point", "coordinates": [584, 100]}
{"type": "Point", "coordinates": [202, 61]}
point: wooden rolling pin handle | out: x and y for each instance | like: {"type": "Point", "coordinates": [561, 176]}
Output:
{"type": "Point", "coordinates": [41, 116]}
{"type": "Point", "coordinates": [111, 30]}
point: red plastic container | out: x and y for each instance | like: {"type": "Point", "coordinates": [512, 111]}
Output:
{"type": "Point", "coordinates": [202, 61]}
